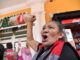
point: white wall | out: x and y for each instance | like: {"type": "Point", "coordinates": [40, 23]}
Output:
{"type": "Point", "coordinates": [10, 3]}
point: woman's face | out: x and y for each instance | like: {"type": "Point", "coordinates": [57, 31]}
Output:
{"type": "Point", "coordinates": [50, 33]}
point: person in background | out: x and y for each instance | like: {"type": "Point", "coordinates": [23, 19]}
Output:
{"type": "Point", "coordinates": [9, 53]}
{"type": "Point", "coordinates": [77, 48]}
{"type": "Point", "coordinates": [53, 46]}
{"type": "Point", "coordinates": [2, 49]}
{"type": "Point", "coordinates": [16, 57]}
{"type": "Point", "coordinates": [25, 53]}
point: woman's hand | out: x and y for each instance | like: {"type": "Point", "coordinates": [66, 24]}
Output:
{"type": "Point", "coordinates": [29, 18]}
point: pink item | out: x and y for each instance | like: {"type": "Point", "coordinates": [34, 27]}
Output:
{"type": "Point", "coordinates": [19, 44]}
{"type": "Point", "coordinates": [26, 54]}
{"type": "Point", "coordinates": [20, 58]}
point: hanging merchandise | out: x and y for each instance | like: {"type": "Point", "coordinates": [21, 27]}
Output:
{"type": "Point", "coordinates": [5, 22]}
{"type": "Point", "coordinates": [23, 18]}
{"type": "Point", "coordinates": [13, 20]}
{"type": "Point", "coordinates": [20, 19]}
{"type": "Point", "coordinates": [69, 34]}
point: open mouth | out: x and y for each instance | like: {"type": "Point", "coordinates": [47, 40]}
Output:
{"type": "Point", "coordinates": [44, 38]}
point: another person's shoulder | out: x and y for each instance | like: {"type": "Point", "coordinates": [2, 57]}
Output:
{"type": "Point", "coordinates": [68, 53]}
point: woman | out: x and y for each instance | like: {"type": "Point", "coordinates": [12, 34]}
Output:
{"type": "Point", "coordinates": [53, 46]}
{"type": "Point", "coordinates": [26, 54]}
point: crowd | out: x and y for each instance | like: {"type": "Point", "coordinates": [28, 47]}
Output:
{"type": "Point", "coordinates": [9, 54]}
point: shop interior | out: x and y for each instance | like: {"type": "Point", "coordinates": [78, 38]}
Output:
{"type": "Point", "coordinates": [71, 20]}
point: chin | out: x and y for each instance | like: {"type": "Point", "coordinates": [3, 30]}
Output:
{"type": "Point", "coordinates": [45, 44]}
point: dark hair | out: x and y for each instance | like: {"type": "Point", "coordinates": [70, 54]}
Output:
{"type": "Point", "coordinates": [60, 27]}
{"type": "Point", "coordinates": [9, 45]}
{"type": "Point", "coordinates": [1, 51]}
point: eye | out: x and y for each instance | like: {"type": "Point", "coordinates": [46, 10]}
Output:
{"type": "Point", "coordinates": [44, 27]}
{"type": "Point", "coordinates": [51, 27]}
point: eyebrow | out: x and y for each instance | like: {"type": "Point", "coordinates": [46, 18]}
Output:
{"type": "Point", "coordinates": [44, 26]}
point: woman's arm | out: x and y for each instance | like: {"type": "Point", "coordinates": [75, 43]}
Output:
{"type": "Point", "coordinates": [30, 39]}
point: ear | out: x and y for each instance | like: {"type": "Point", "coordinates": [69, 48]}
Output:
{"type": "Point", "coordinates": [61, 34]}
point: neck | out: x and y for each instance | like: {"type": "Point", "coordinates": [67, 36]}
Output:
{"type": "Point", "coordinates": [46, 47]}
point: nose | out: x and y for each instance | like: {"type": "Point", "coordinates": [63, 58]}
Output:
{"type": "Point", "coordinates": [45, 30]}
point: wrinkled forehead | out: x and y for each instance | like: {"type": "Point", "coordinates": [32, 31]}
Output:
{"type": "Point", "coordinates": [51, 24]}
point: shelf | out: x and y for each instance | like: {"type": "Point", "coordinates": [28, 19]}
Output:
{"type": "Point", "coordinates": [5, 38]}
{"type": "Point", "coordinates": [12, 27]}
{"type": "Point", "coordinates": [6, 33]}
{"type": "Point", "coordinates": [12, 32]}
{"type": "Point", "coordinates": [21, 30]}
